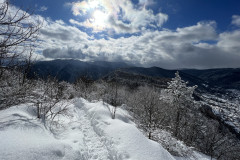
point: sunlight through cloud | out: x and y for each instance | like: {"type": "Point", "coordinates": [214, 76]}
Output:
{"type": "Point", "coordinates": [118, 16]}
{"type": "Point", "coordinates": [100, 19]}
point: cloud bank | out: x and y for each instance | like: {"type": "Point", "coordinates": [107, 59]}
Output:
{"type": "Point", "coordinates": [197, 46]}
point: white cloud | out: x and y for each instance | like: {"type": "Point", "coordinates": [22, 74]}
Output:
{"type": "Point", "coordinates": [236, 20]}
{"type": "Point", "coordinates": [146, 2]}
{"type": "Point", "coordinates": [183, 48]}
{"type": "Point", "coordinates": [43, 8]}
{"type": "Point", "coordinates": [161, 19]}
{"type": "Point", "coordinates": [121, 16]}
{"type": "Point", "coordinates": [229, 42]}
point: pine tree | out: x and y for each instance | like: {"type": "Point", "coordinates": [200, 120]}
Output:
{"type": "Point", "coordinates": [180, 98]}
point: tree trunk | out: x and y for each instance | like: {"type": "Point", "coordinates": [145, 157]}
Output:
{"type": "Point", "coordinates": [177, 124]}
{"type": "Point", "coordinates": [150, 135]}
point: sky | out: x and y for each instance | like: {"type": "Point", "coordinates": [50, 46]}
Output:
{"type": "Point", "coordinates": [165, 33]}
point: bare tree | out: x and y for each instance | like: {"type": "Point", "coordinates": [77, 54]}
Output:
{"type": "Point", "coordinates": [84, 86]}
{"type": "Point", "coordinates": [113, 96]}
{"type": "Point", "coordinates": [49, 99]}
{"type": "Point", "coordinates": [148, 109]}
{"type": "Point", "coordinates": [19, 30]}
{"type": "Point", "coordinates": [18, 34]}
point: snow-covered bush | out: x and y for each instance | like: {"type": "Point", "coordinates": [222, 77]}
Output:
{"type": "Point", "coordinates": [50, 99]}
{"type": "Point", "coordinates": [84, 87]}
{"type": "Point", "coordinates": [147, 109]}
{"type": "Point", "coordinates": [12, 90]}
{"type": "Point", "coordinates": [174, 146]}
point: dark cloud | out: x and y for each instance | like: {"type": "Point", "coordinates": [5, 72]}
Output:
{"type": "Point", "coordinates": [198, 57]}
{"type": "Point", "coordinates": [63, 53]}
{"type": "Point", "coordinates": [60, 35]}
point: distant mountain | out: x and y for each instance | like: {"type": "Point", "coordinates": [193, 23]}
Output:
{"type": "Point", "coordinates": [228, 78]}
{"type": "Point", "coordinates": [159, 73]}
{"type": "Point", "coordinates": [70, 70]}
{"type": "Point", "coordinates": [134, 80]}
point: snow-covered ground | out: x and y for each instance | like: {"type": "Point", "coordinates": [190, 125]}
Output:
{"type": "Point", "coordinates": [228, 109]}
{"type": "Point", "coordinates": [87, 133]}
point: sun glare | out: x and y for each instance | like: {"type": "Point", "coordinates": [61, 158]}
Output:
{"type": "Point", "coordinates": [96, 11]}
{"type": "Point", "coordinates": [99, 18]}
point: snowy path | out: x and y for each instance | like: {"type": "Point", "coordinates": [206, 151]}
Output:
{"type": "Point", "coordinates": [114, 139]}
{"type": "Point", "coordinates": [94, 146]}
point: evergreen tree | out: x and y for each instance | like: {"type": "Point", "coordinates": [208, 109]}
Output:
{"type": "Point", "coordinates": [180, 98]}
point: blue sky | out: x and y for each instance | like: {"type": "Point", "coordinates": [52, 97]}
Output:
{"type": "Point", "coordinates": [181, 12]}
{"type": "Point", "coordinates": [164, 33]}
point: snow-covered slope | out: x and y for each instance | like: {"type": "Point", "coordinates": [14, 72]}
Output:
{"type": "Point", "coordinates": [24, 137]}
{"type": "Point", "coordinates": [87, 133]}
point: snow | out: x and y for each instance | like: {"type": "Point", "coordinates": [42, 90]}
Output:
{"type": "Point", "coordinates": [225, 108]}
{"type": "Point", "coordinates": [23, 137]}
{"type": "Point", "coordinates": [131, 143]}
{"type": "Point", "coordinates": [196, 156]}
{"type": "Point", "coordinates": [87, 133]}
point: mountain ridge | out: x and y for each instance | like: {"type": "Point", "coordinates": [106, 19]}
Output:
{"type": "Point", "coordinates": [70, 70]}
